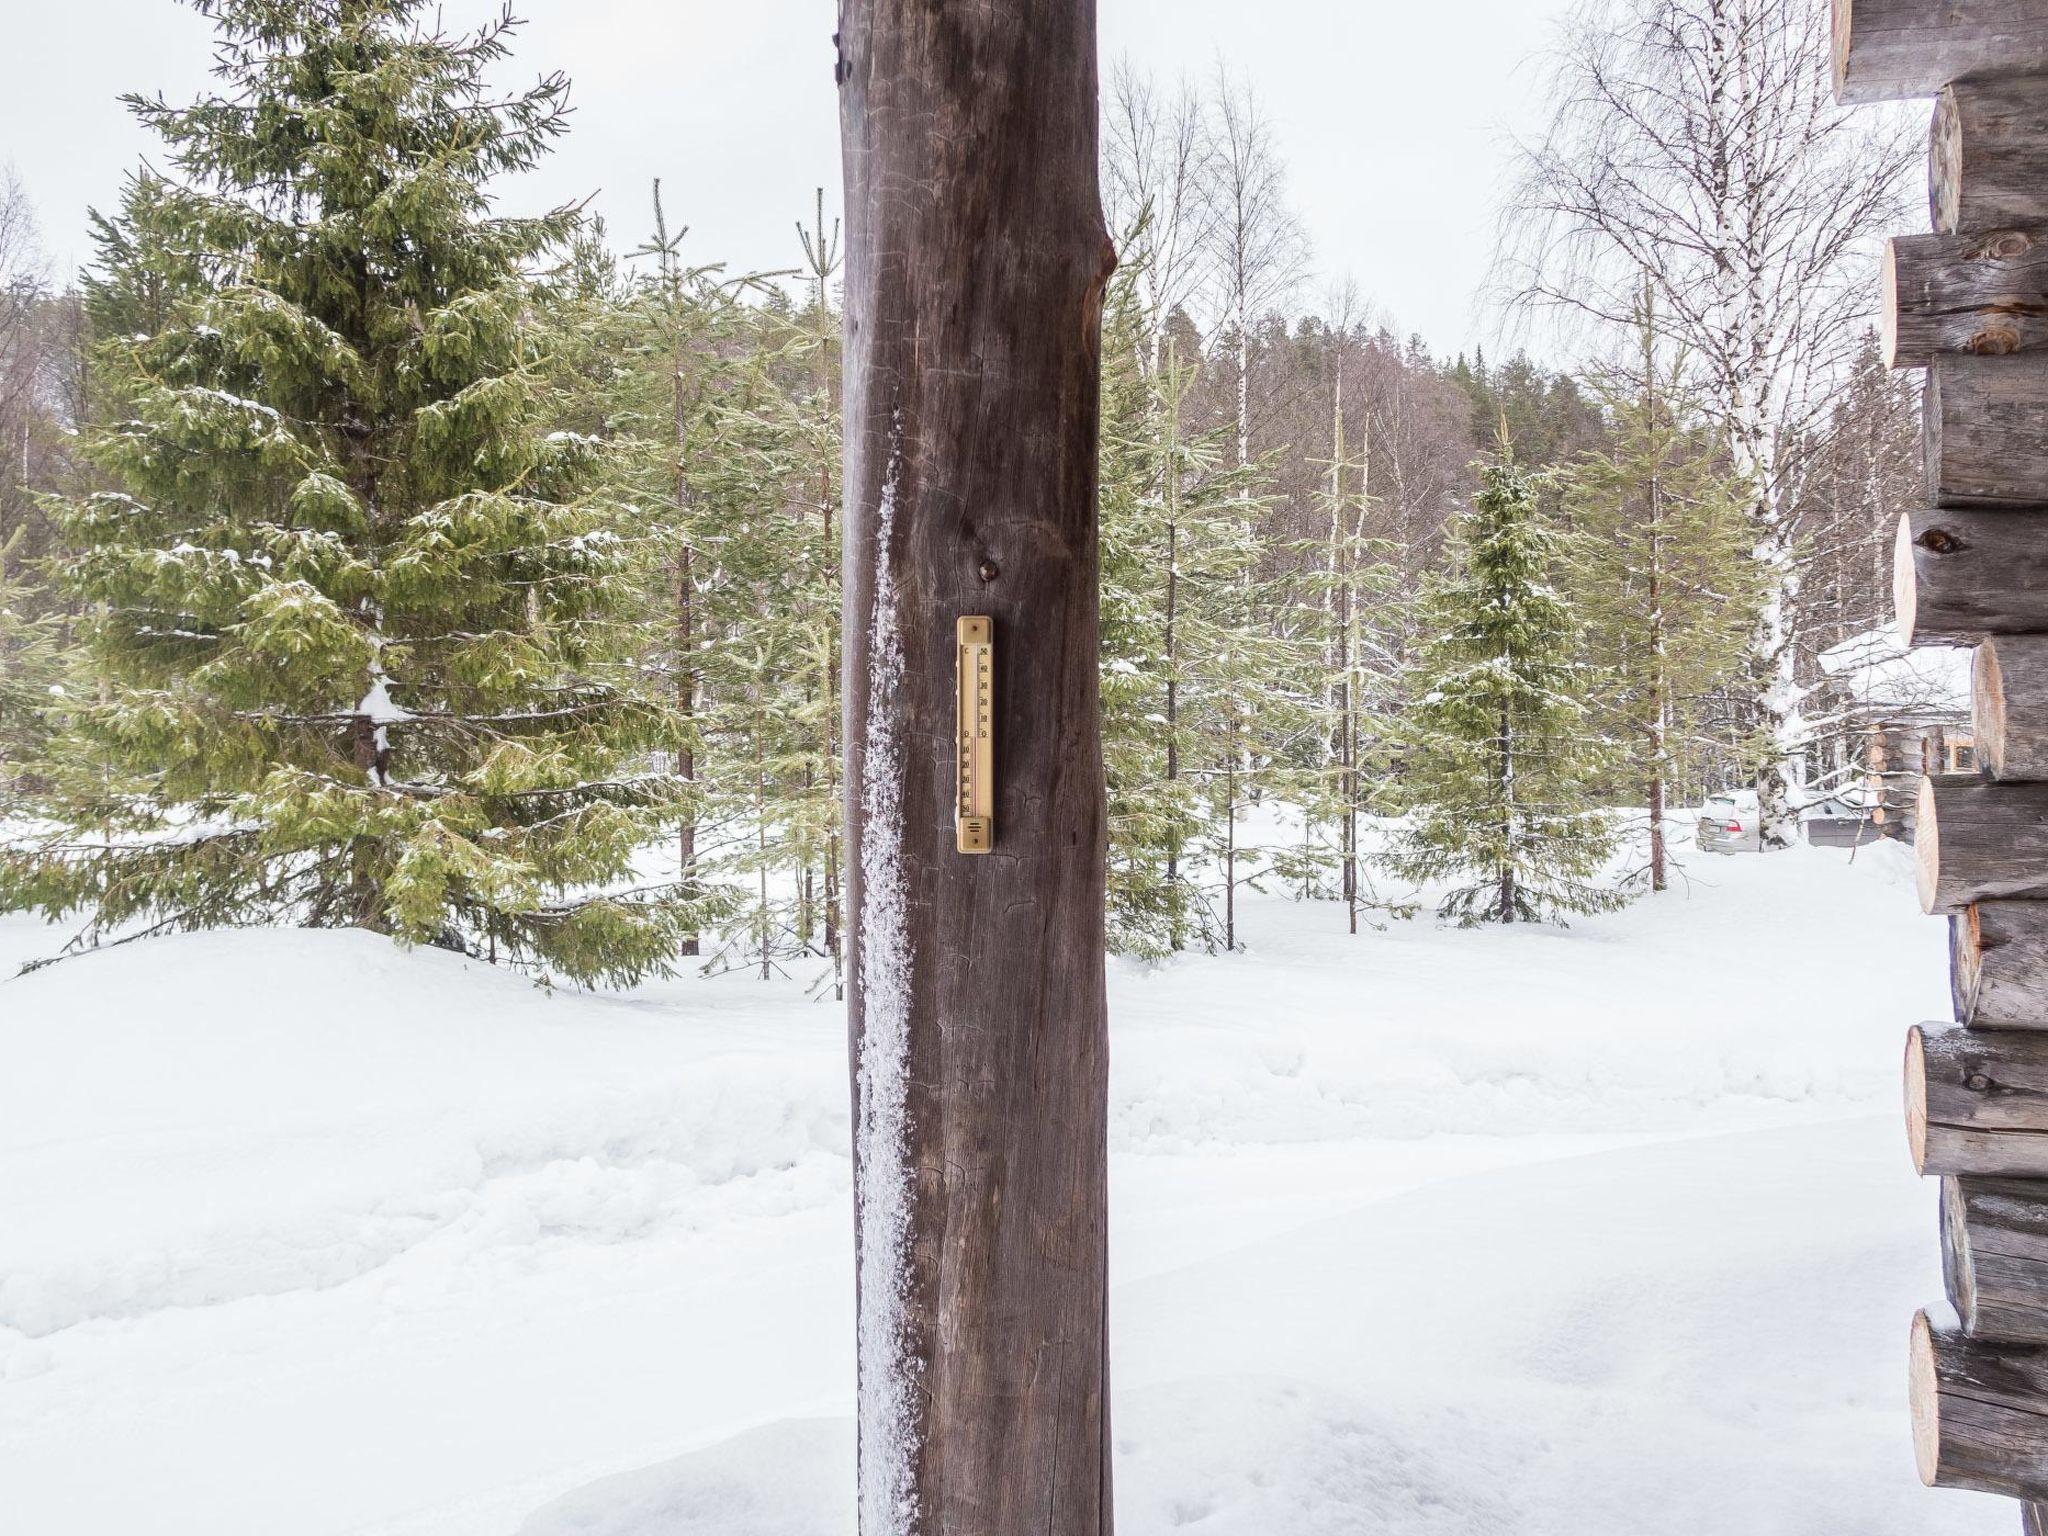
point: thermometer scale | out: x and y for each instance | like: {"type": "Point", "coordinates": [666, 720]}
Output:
{"type": "Point", "coordinates": [974, 808]}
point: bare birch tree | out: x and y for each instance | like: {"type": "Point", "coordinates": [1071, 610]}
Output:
{"type": "Point", "coordinates": [1258, 250]}
{"type": "Point", "coordinates": [1156, 186]}
{"type": "Point", "coordinates": [1696, 143]}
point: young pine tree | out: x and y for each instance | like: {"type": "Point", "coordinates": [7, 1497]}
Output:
{"type": "Point", "coordinates": [1353, 581]}
{"type": "Point", "coordinates": [1502, 762]}
{"type": "Point", "coordinates": [359, 609]}
{"type": "Point", "coordinates": [1148, 470]}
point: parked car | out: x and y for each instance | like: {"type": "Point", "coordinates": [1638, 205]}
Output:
{"type": "Point", "coordinates": [1841, 821]}
{"type": "Point", "coordinates": [1731, 823]}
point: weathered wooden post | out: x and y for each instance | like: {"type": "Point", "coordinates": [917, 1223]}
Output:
{"type": "Point", "coordinates": [976, 260]}
{"type": "Point", "coordinates": [1968, 304]}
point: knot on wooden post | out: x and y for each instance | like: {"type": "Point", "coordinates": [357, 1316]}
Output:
{"type": "Point", "coordinates": [1939, 541]}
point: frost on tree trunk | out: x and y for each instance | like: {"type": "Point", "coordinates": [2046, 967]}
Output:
{"type": "Point", "coordinates": [976, 260]}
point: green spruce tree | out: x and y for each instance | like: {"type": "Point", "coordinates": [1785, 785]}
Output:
{"type": "Point", "coordinates": [1660, 572]}
{"type": "Point", "coordinates": [358, 604]}
{"type": "Point", "coordinates": [39, 674]}
{"type": "Point", "coordinates": [1502, 758]}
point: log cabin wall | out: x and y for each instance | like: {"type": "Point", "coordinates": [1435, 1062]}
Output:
{"type": "Point", "coordinates": [1969, 304]}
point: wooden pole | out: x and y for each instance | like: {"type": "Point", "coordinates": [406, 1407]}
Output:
{"type": "Point", "coordinates": [976, 260]}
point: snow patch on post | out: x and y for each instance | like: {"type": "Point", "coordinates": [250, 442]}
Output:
{"type": "Point", "coordinates": [887, 1418]}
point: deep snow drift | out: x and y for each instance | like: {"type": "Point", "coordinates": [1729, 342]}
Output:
{"type": "Point", "coordinates": [1602, 1231]}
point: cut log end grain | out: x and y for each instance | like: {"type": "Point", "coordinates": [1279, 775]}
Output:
{"type": "Point", "coordinates": [1966, 961]}
{"type": "Point", "coordinates": [1958, 1267]}
{"type": "Point", "coordinates": [1888, 305]}
{"type": "Point", "coordinates": [1976, 1101]}
{"type": "Point", "coordinates": [1904, 585]}
{"type": "Point", "coordinates": [1987, 156]}
{"type": "Point", "coordinates": [1916, 1098]}
{"type": "Point", "coordinates": [1927, 848]}
{"type": "Point", "coordinates": [2009, 706]}
{"type": "Point", "coordinates": [1980, 1411]}
{"type": "Point", "coordinates": [1987, 707]}
{"type": "Point", "coordinates": [1944, 161]}
{"type": "Point", "coordinates": [1924, 1393]}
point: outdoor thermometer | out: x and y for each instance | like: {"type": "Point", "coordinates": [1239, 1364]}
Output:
{"type": "Point", "coordinates": [974, 804]}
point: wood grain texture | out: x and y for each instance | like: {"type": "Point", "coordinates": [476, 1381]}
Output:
{"type": "Point", "coordinates": [1887, 50]}
{"type": "Point", "coordinates": [1980, 295]}
{"type": "Point", "coordinates": [1977, 1101]}
{"type": "Point", "coordinates": [1980, 1412]}
{"type": "Point", "coordinates": [2034, 1519]}
{"type": "Point", "coordinates": [1977, 841]}
{"type": "Point", "coordinates": [1994, 1257]}
{"type": "Point", "coordinates": [1987, 157]}
{"type": "Point", "coordinates": [976, 261]}
{"type": "Point", "coordinates": [1960, 574]}
{"type": "Point", "coordinates": [1999, 964]}
{"type": "Point", "coordinates": [1985, 431]}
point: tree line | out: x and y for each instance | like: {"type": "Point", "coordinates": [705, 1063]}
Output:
{"type": "Point", "coordinates": [371, 557]}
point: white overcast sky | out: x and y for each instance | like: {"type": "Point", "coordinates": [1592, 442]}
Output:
{"type": "Point", "coordinates": [1393, 117]}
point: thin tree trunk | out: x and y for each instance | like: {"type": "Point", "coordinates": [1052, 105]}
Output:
{"type": "Point", "coordinates": [1659, 700]}
{"type": "Point", "coordinates": [1507, 816]}
{"type": "Point", "coordinates": [976, 262]}
{"type": "Point", "coordinates": [1171, 647]}
{"type": "Point", "coordinates": [686, 661]}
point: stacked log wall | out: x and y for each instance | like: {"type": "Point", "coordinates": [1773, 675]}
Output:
{"type": "Point", "coordinates": [1969, 304]}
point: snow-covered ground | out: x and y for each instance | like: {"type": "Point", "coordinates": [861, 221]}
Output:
{"type": "Point", "coordinates": [1595, 1233]}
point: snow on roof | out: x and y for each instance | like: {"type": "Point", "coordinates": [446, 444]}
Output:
{"type": "Point", "coordinates": [1873, 668]}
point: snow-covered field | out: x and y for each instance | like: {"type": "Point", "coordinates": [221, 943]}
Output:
{"type": "Point", "coordinates": [1596, 1233]}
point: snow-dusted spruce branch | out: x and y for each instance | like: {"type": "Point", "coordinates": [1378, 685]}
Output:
{"type": "Point", "coordinates": [271, 902]}
{"type": "Point", "coordinates": [1695, 144]}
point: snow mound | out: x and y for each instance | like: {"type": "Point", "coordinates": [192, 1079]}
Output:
{"type": "Point", "coordinates": [195, 1121]}
{"type": "Point", "coordinates": [788, 1479]}
{"type": "Point", "coordinates": [1661, 1338]}
{"type": "Point", "coordinates": [287, 1211]}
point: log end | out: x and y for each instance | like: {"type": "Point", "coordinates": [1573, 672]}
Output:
{"type": "Point", "coordinates": [1904, 581]}
{"type": "Point", "coordinates": [1916, 1098]}
{"type": "Point", "coordinates": [1888, 305]}
{"type": "Point", "coordinates": [1839, 20]}
{"type": "Point", "coordinates": [1945, 163]}
{"type": "Point", "coordinates": [1966, 962]}
{"type": "Point", "coordinates": [1987, 707]}
{"type": "Point", "coordinates": [1958, 1267]}
{"type": "Point", "coordinates": [1927, 848]}
{"type": "Point", "coordinates": [1923, 1390]}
